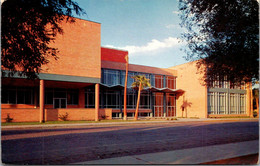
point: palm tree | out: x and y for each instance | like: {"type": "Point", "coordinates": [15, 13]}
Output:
{"type": "Point", "coordinates": [125, 91]}
{"type": "Point", "coordinates": [140, 82]}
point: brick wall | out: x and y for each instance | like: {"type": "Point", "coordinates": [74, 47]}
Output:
{"type": "Point", "coordinates": [21, 114]}
{"type": "Point", "coordinates": [33, 115]}
{"type": "Point", "coordinates": [73, 114]}
{"type": "Point", "coordinates": [195, 96]}
{"type": "Point", "coordinates": [79, 50]}
{"type": "Point", "coordinates": [76, 114]}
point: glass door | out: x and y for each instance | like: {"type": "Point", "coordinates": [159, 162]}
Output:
{"type": "Point", "coordinates": [60, 103]}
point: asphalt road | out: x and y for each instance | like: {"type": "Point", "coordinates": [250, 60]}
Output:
{"type": "Point", "coordinates": [64, 145]}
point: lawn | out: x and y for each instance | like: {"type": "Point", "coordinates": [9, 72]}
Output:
{"type": "Point", "coordinates": [67, 122]}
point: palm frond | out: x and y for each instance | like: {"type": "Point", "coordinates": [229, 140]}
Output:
{"type": "Point", "coordinates": [145, 82]}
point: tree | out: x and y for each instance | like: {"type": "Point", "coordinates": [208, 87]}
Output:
{"type": "Point", "coordinates": [223, 35]}
{"type": "Point", "coordinates": [28, 27]}
{"type": "Point", "coordinates": [125, 90]}
{"type": "Point", "coordinates": [140, 82]}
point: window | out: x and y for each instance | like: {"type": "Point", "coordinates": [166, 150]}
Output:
{"type": "Point", "coordinates": [226, 103]}
{"type": "Point", "coordinates": [130, 80]}
{"type": "Point", "coordinates": [170, 82]}
{"type": "Point", "coordinates": [145, 100]}
{"type": "Point", "coordinates": [211, 103]}
{"type": "Point", "coordinates": [131, 98]}
{"type": "Point", "coordinates": [111, 99]}
{"type": "Point", "coordinates": [73, 97]}
{"type": "Point", "coordinates": [60, 93]}
{"type": "Point", "coordinates": [111, 77]}
{"type": "Point", "coordinates": [225, 84]}
{"type": "Point", "coordinates": [17, 95]}
{"type": "Point", "coordinates": [158, 81]}
{"type": "Point", "coordinates": [171, 105]}
{"type": "Point", "coordinates": [233, 104]}
{"type": "Point", "coordinates": [49, 96]}
{"type": "Point", "coordinates": [242, 104]}
{"type": "Point", "coordinates": [89, 98]}
{"type": "Point", "coordinates": [222, 105]}
{"type": "Point", "coordinates": [158, 104]}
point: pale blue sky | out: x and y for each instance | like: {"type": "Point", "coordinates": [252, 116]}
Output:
{"type": "Point", "coordinates": [148, 29]}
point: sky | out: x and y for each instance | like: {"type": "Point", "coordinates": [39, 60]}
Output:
{"type": "Point", "coordinates": [148, 29]}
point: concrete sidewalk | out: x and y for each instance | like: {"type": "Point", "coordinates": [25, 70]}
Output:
{"type": "Point", "coordinates": [134, 122]}
{"type": "Point", "coordinates": [186, 156]}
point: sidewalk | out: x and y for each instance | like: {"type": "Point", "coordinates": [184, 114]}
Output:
{"type": "Point", "coordinates": [133, 122]}
{"type": "Point", "coordinates": [186, 156]}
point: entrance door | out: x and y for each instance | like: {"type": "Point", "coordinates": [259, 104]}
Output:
{"type": "Point", "coordinates": [171, 105]}
{"type": "Point", "coordinates": [60, 102]}
{"type": "Point", "coordinates": [158, 104]}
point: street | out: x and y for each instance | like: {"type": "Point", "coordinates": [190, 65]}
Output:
{"type": "Point", "coordinates": [64, 145]}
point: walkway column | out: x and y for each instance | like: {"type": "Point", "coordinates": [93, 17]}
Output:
{"type": "Point", "coordinates": [41, 95]}
{"type": "Point", "coordinates": [96, 102]}
{"type": "Point", "coordinates": [164, 104]}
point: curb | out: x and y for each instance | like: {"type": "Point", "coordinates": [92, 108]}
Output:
{"type": "Point", "coordinates": [122, 123]}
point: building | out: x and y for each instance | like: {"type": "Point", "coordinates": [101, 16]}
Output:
{"type": "Point", "coordinates": [87, 82]}
{"type": "Point", "coordinates": [221, 99]}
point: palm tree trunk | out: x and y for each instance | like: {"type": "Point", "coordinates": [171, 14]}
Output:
{"type": "Point", "coordinates": [251, 101]}
{"type": "Point", "coordinates": [125, 91]}
{"type": "Point", "coordinates": [138, 100]}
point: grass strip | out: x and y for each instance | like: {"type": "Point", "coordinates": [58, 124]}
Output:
{"type": "Point", "coordinates": [68, 122]}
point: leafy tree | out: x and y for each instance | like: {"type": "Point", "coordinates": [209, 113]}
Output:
{"type": "Point", "coordinates": [140, 82]}
{"type": "Point", "coordinates": [28, 27]}
{"type": "Point", "coordinates": [224, 35]}
{"type": "Point", "coordinates": [256, 98]}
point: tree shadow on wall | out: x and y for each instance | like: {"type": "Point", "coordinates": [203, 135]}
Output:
{"type": "Point", "coordinates": [184, 107]}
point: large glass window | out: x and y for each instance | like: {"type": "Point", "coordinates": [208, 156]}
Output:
{"type": "Point", "coordinates": [60, 93]}
{"type": "Point", "coordinates": [242, 104]}
{"type": "Point", "coordinates": [171, 105]}
{"type": "Point", "coordinates": [222, 101]}
{"type": "Point", "coordinates": [111, 99]}
{"type": "Point", "coordinates": [111, 77]}
{"type": "Point", "coordinates": [145, 100]}
{"type": "Point", "coordinates": [226, 84]}
{"type": "Point", "coordinates": [89, 98]}
{"type": "Point", "coordinates": [130, 80]}
{"type": "Point", "coordinates": [226, 103]}
{"type": "Point", "coordinates": [49, 96]}
{"type": "Point", "coordinates": [158, 104]}
{"type": "Point", "coordinates": [210, 103]}
{"type": "Point", "coordinates": [233, 104]}
{"type": "Point", "coordinates": [71, 95]}
{"type": "Point", "coordinates": [170, 82]}
{"type": "Point", "coordinates": [158, 81]}
{"type": "Point", "coordinates": [131, 98]}
{"type": "Point", "coordinates": [17, 95]}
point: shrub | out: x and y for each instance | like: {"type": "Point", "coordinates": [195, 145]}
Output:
{"type": "Point", "coordinates": [64, 117]}
{"type": "Point", "coordinates": [8, 118]}
{"type": "Point", "coordinates": [255, 114]}
{"type": "Point", "coordinates": [104, 117]}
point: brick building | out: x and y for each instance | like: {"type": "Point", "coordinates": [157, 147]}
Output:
{"type": "Point", "coordinates": [87, 82]}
